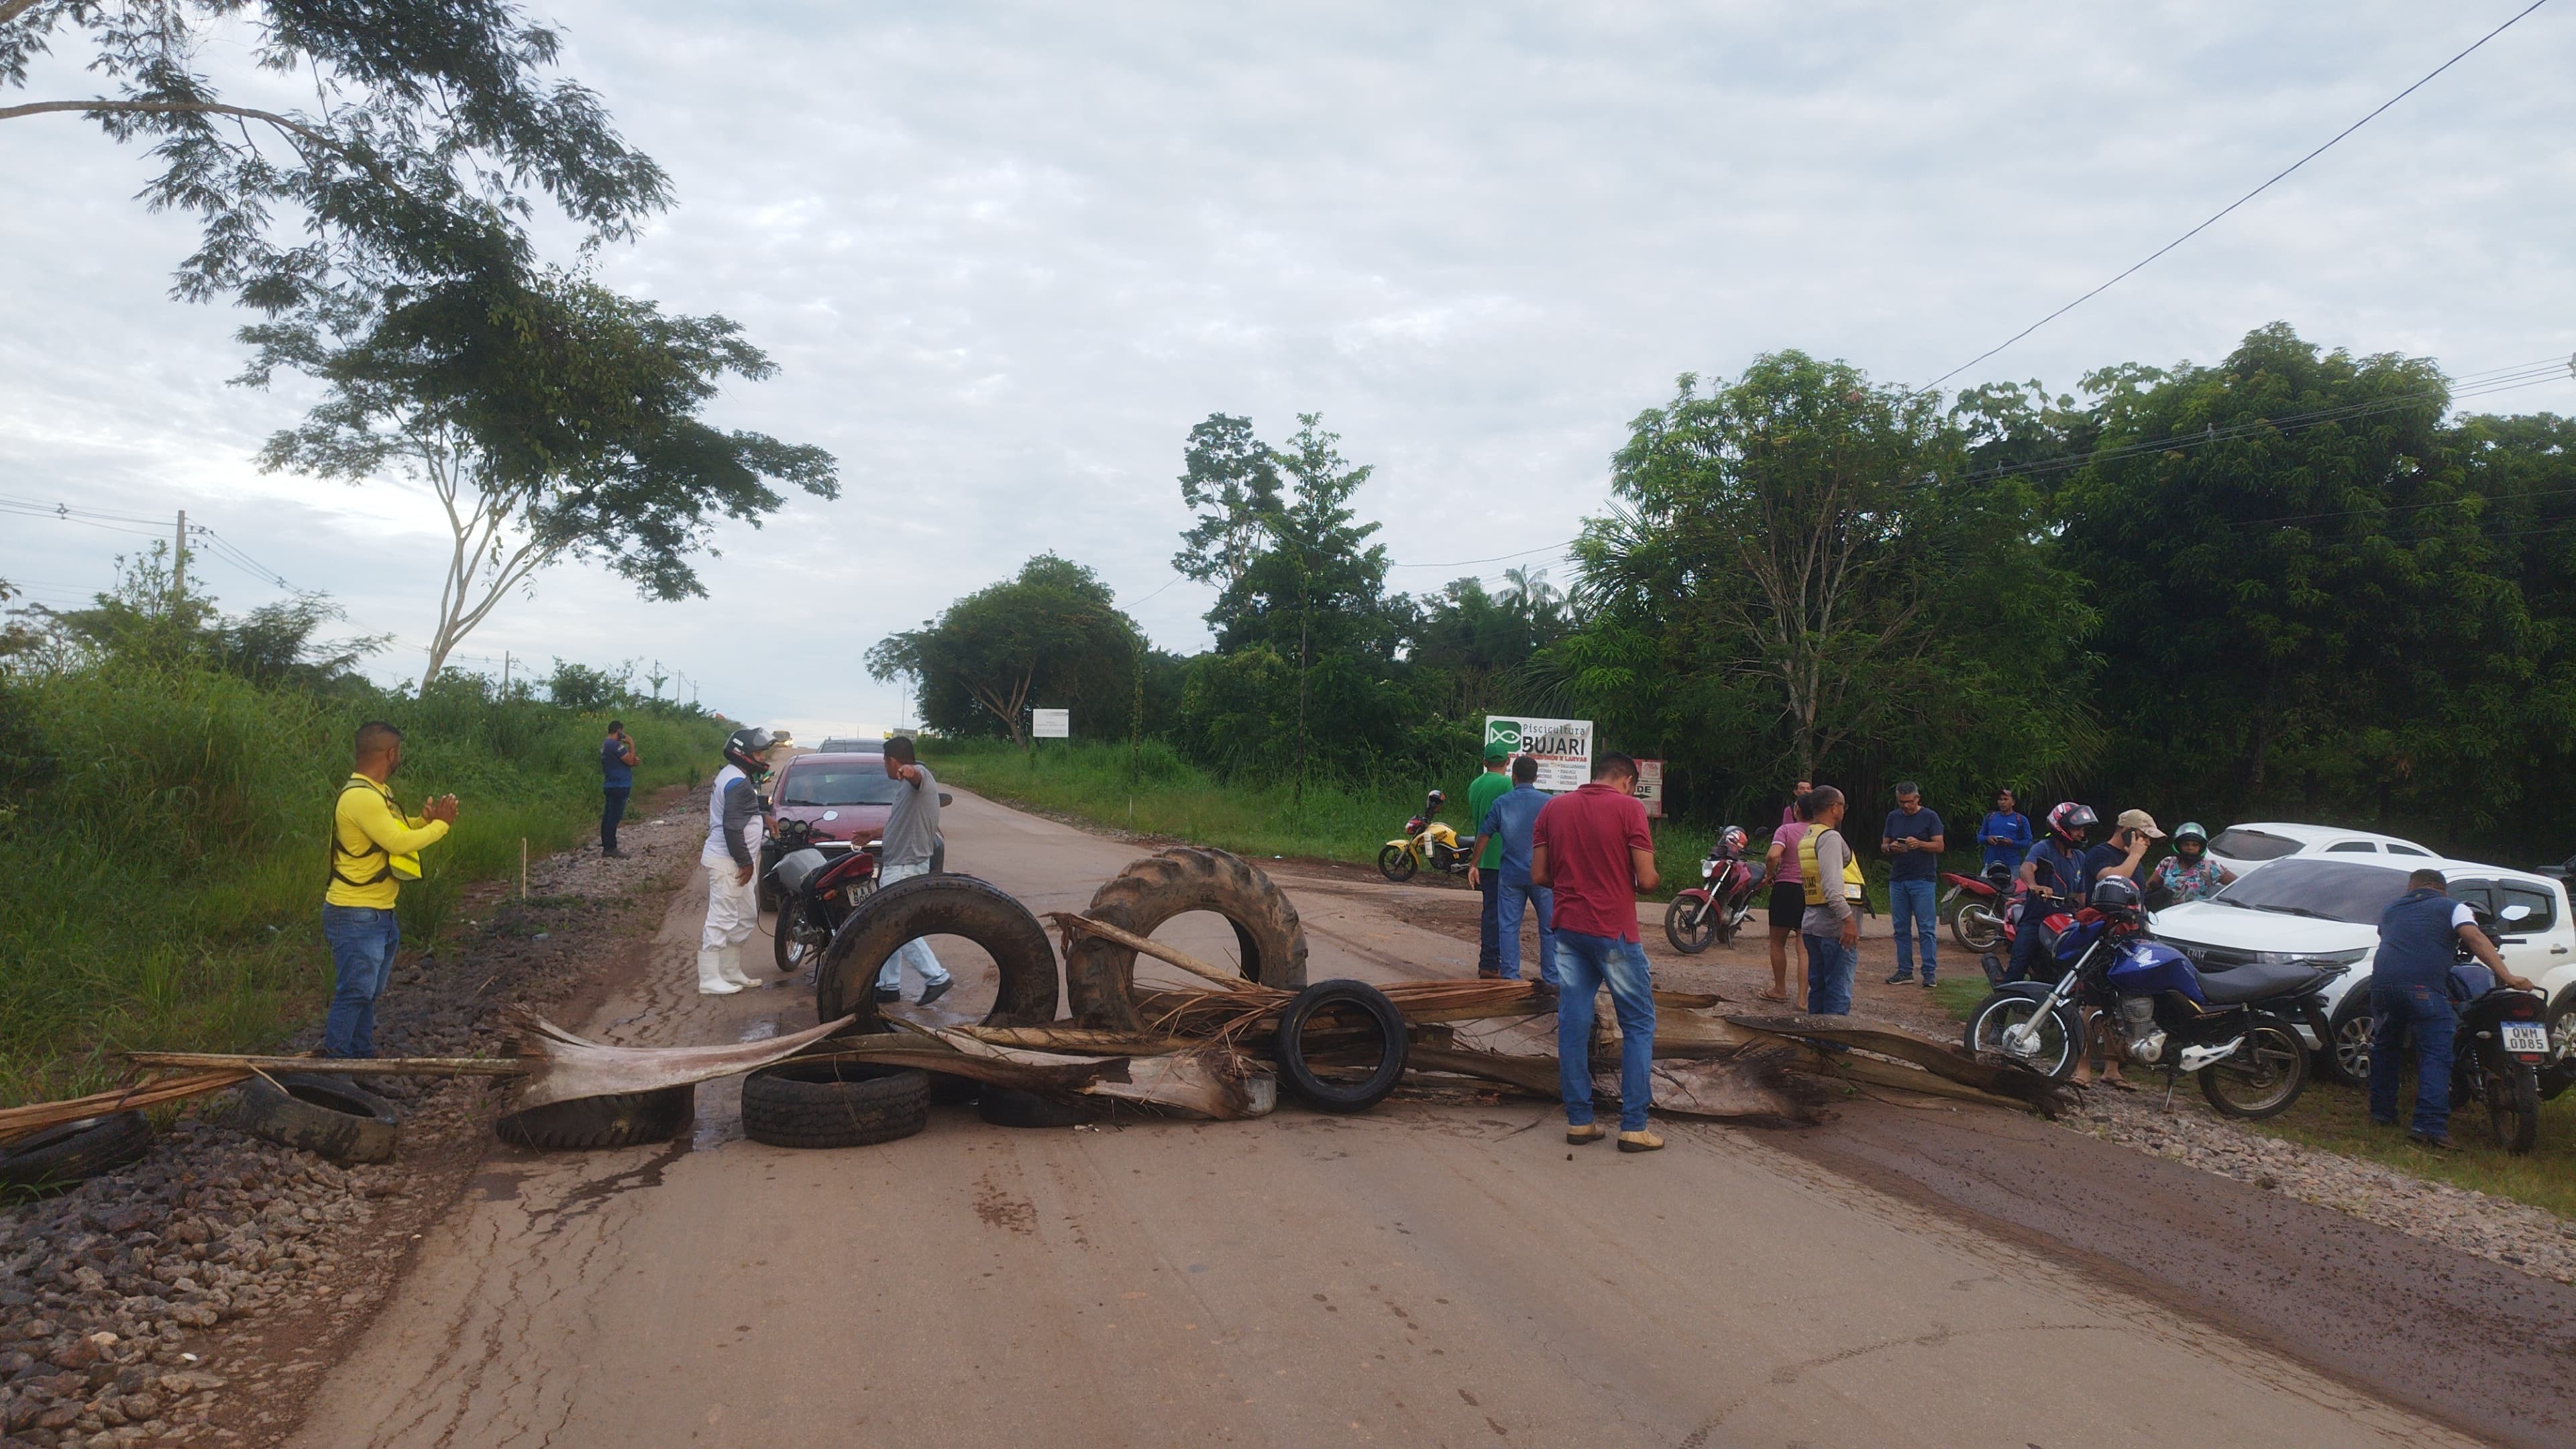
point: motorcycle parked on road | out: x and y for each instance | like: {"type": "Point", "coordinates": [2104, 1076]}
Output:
{"type": "Point", "coordinates": [1425, 841]}
{"type": "Point", "coordinates": [818, 885]}
{"type": "Point", "coordinates": [1975, 907]}
{"type": "Point", "coordinates": [2233, 1030]}
{"type": "Point", "coordinates": [1715, 909]}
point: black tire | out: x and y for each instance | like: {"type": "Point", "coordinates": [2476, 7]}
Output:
{"type": "Point", "coordinates": [2060, 1045]}
{"type": "Point", "coordinates": [1976, 927]}
{"type": "Point", "coordinates": [1011, 1107]}
{"type": "Point", "coordinates": [56, 1158]}
{"type": "Point", "coordinates": [2513, 1107]}
{"type": "Point", "coordinates": [834, 1104]}
{"type": "Point", "coordinates": [799, 937]}
{"type": "Point", "coordinates": [2345, 1057]}
{"type": "Point", "coordinates": [1397, 864]}
{"type": "Point", "coordinates": [623, 1119]}
{"type": "Point", "coordinates": [1101, 975]}
{"type": "Point", "coordinates": [938, 905]}
{"type": "Point", "coordinates": [2560, 1074]}
{"type": "Point", "coordinates": [2264, 1077]}
{"type": "Point", "coordinates": [1289, 1046]}
{"type": "Point", "coordinates": [327, 1115]}
{"type": "Point", "coordinates": [1688, 938]}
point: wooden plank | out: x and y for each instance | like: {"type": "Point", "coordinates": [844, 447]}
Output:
{"type": "Point", "coordinates": [344, 1066]}
{"type": "Point", "coordinates": [1069, 922]}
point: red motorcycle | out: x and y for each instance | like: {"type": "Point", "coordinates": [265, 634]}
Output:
{"type": "Point", "coordinates": [2009, 926]}
{"type": "Point", "coordinates": [1975, 905]}
{"type": "Point", "coordinates": [1715, 909]}
{"type": "Point", "coordinates": [818, 888]}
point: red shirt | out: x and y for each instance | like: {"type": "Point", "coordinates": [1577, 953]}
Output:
{"type": "Point", "coordinates": [1587, 836]}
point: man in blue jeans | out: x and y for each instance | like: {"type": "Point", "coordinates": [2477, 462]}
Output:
{"type": "Point", "coordinates": [1592, 847]}
{"type": "Point", "coordinates": [1831, 926]}
{"type": "Point", "coordinates": [1912, 842]}
{"type": "Point", "coordinates": [1508, 825]}
{"type": "Point", "coordinates": [2410, 987]}
{"type": "Point", "coordinates": [374, 848]}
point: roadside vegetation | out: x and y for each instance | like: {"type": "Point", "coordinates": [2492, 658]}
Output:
{"type": "Point", "coordinates": [166, 779]}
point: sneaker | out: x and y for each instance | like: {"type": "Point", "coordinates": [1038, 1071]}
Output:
{"type": "Point", "coordinates": [936, 990]}
{"type": "Point", "coordinates": [1900, 978]}
{"type": "Point", "coordinates": [888, 998]}
{"type": "Point", "coordinates": [1929, 983]}
{"type": "Point", "coordinates": [614, 854]}
{"type": "Point", "coordinates": [1588, 1132]}
{"type": "Point", "coordinates": [2427, 1139]}
{"type": "Point", "coordinates": [1640, 1140]}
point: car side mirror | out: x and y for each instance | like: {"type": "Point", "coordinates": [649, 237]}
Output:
{"type": "Point", "coordinates": [947, 799]}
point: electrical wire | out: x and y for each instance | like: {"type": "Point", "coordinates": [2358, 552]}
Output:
{"type": "Point", "coordinates": [2140, 264]}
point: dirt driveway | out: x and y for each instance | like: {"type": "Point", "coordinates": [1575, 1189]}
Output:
{"type": "Point", "coordinates": [1425, 1274]}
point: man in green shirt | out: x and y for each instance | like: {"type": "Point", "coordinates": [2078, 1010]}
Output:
{"type": "Point", "coordinates": [1489, 787]}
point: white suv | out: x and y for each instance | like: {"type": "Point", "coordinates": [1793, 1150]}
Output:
{"type": "Point", "coordinates": [2326, 906]}
{"type": "Point", "coordinates": [2240, 848]}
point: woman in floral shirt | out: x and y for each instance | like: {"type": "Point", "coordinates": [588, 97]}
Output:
{"type": "Point", "coordinates": [2189, 874]}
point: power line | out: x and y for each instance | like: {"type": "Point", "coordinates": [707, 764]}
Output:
{"type": "Point", "coordinates": [2231, 206]}
{"type": "Point", "coordinates": [1457, 563]}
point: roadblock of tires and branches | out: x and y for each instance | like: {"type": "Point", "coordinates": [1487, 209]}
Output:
{"type": "Point", "coordinates": [1224, 1048]}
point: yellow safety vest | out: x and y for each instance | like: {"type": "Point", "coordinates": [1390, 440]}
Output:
{"type": "Point", "coordinates": [397, 867]}
{"type": "Point", "coordinates": [1810, 874]}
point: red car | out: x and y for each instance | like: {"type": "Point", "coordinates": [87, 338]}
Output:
{"type": "Point", "coordinates": [843, 799]}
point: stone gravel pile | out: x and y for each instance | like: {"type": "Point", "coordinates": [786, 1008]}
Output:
{"type": "Point", "coordinates": [2532, 1239]}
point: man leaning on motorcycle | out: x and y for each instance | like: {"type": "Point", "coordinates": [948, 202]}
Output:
{"type": "Point", "coordinates": [2410, 986]}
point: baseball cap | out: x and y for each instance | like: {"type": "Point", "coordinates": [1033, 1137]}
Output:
{"type": "Point", "coordinates": [1497, 752]}
{"type": "Point", "coordinates": [2141, 821]}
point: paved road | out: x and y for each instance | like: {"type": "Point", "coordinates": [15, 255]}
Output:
{"type": "Point", "coordinates": [1425, 1274]}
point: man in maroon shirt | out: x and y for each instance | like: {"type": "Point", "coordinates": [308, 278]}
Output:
{"type": "Point", "coordinates": [1592, 848]}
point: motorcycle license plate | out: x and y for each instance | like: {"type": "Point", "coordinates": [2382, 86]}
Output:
{"type": "Point", "coordinates": [2524, 1037]}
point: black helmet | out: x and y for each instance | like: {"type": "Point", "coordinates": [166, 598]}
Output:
{"type": "Point", "coordinates": [744, 747]}
{"type": "Point", "coordinates": [2117, 895]}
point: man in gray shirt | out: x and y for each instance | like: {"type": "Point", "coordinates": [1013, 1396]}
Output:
{"type": "Point", "coordinates": [1831, 926]}
{"type": "Point", "coordinates": [911, 834]}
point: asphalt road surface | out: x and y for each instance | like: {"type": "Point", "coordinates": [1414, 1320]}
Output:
{"type": "Point", "coordinates": [1425, 1274]}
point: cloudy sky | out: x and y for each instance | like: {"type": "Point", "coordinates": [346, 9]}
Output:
{"type": "Point", "coordinates": [1007, 255]}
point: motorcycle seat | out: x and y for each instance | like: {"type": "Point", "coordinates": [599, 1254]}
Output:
{"type": "Point", "coordinates": [2259, 980]}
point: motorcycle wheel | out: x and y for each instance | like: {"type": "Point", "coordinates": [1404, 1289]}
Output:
{"type": "Point", "coordinates": [1976, 928]}
{"type": "Point", "coordinates": [2053, 1055]}
{"type": "Point", "coordinates": [1397, 864]}
{"type": "Point", "coordinates": [1688, 936]}
{"type": "Point", "coordinates": [799, 938]}
{"type": "Point", "coordinates": [2264, 1077]}
{"type": "Point", "coordinates": [2513, 1107]}
{"type": "Point", "coordinates": [2347, 1053]}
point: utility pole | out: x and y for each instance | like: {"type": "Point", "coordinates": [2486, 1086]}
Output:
{"type": "Point", "coordinates": [505, 674]}
{"type": "Point", "coordinates": [179, 567]}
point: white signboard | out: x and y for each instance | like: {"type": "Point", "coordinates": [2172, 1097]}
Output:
{"type": "Point", "coordinates": [1051, 724]}
{"type": "Point", "coordinates": [1650, 787]}
{"type": "Point", "coordinates": [1562, 747]}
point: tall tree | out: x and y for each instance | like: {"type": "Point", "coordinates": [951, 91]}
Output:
{"type": "Point", "coordinates": [1230, 480]}
{"type": "Point", "coordinates": [1050, 637]}
{"type": "Point", "coordinates": [551, 420]}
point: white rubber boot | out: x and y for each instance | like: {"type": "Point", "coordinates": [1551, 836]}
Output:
{"type": "Point", "coordinates": [711, 981]}
{"type": "Point", "coordinates": [729, 965]}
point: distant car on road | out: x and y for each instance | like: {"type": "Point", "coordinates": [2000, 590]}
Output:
{"type": "Point", "coordinates": [839, 745]}
{"type": "Point", "coordinates": [2241, 848]}
{"type": "Point", "coordinates": [842, 798]}
{"type": "Point", "coordinates": [2326, 906]}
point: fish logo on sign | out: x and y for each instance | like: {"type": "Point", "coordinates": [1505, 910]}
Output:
{"type": "Point", "coordinates": [1504, 732]}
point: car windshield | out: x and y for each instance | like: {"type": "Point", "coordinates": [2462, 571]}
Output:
{"type": "Point", "coordinates": [851, 784]}
{"type": "Point", "coordinates": [2243, 844]}
{"type": "Point", "coordinates": [2329, 890]}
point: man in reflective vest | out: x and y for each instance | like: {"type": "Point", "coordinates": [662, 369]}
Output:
{"type": "Point", "coordinates": [374, 848]}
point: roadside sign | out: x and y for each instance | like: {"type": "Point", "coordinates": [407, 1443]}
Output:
{"type": "Point", "coordinates": [1650, 787]}
{"type": "Point", "coordinates": [1562, 747]}
{"type": "Point", "coordinates": [1051, 724]}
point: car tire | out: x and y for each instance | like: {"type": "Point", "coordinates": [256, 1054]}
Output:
{"type": "Point", "coordinates": [53, 1159]}
{"type": "Point", "coordinates": [621, 1119]}
{"type": "Point", "coordinates": [1289, 1046]}
{"type": "Point", "coordinates": [2345, 1053]}
{"type": "Point", "coordinates": [329, 1116]}
{"type": "Point", "coordinates": [834, 1104]}
{"type": "Point", "coordinates": [938, 905]}
{"type": "Point", "coordinates": [1100, 975]}
{"type": "Point", "coordinates": [2560, 1073]}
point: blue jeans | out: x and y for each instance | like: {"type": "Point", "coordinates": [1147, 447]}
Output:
{"type": "Point", "coordinates": [1583, 963]}
{"type": "Point", "coordinates": [1829, 974]}
{"type": "Point", "coordinates": [1911, 906]}
{"type": "Point", "coordinates": [1489, 946]}
{"type": "Point", "coordinates": [612, 808]}
{"type": "Point", "coordinates": [1509, 902]}
{"type": "Point", "coordinates": [2428, 1010]}
{"type": "Point", "coordinates": [363, 940]}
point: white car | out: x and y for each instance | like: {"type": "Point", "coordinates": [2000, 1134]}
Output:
{"type": "Point", "coordinates": [2240, 848]}
{"type": "Point", "coordinates": [2326, 906]}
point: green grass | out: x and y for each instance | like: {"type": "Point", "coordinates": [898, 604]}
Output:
{"type": "Point", "coordinates": [2336, 1118]}
{"type": "Point", "coordinates": [163, 889]}
{"type": "Point", "coordinates": [1159, 793]}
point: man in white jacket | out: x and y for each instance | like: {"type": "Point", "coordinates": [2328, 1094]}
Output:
{"type": "Point", "coordinates": [733, 900]}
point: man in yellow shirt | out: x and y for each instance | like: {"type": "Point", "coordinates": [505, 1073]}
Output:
{"type": "Point", "coordinates": [374, 848]}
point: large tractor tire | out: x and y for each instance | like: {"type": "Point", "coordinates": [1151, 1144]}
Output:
{"type": "Point", "coordinates": [1100, 975]}
{"type": "Point", "coordinates": [938, 905]}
